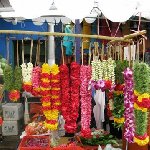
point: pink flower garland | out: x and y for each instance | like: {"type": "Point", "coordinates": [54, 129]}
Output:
{"type": "Point", "coordinates": [36, 80]}
{"type": "Point", "coordinates": [85, 93]}
{"type": "Point", "coordinates": [129, 105]}
{"type": "Point", "coordinates": [70, 95]}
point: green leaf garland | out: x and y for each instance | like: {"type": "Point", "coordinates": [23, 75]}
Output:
{"type": "Point", "coordinates": [8, 78]}
{"type": "Point", "coordinates": [17, 78]}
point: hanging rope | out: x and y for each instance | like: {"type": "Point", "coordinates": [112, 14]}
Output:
{"type": "Point", "coordinates": [143, 48]}
{"type": "Point", "coordinates": [7, 48]}
{"type": "Point", "coordinates": [17, 53]}
{"type": "Point", "coordinates": [31, 49]}
{"type": "Point", "coordinates": [62, 53]}
{"type": "Point", "coordinates": [22, 51]}
{"type": "Point", "coordinates": [45, 49]}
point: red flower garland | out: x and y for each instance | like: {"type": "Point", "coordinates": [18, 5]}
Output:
{"type": "Point", "coordinates": [70, 95]}
{"type": "Point", "coordinates": [85, 93]}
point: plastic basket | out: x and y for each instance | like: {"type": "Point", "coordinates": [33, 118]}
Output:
{"type": "Point", "coordinates": [24, 146]}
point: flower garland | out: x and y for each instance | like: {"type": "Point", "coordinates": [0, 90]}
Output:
{"type": "Point", "coordinates": [45, 92]}
{"type": "Point", "coordinates": [36, 81]}
{"type": "Point", "coordinates": [85, 93]}
{"type": "Point", "coordinates": [103, 76]}
{"type": "Point", "coordinates": [71, 125]}
{"type": "Point", "coordinates": [65, 90]}
{"type": "Point", "coordinates": [129, 105]}
{"type": "Point", "coordinates": [27, 76]}
{"type": "Point", "coordinates": [70, 102]}
{"type": "Point", "coordinates": [142, 102]}
{"type": "Point", "coordinates": [52, 122]}
{"type": "Point", "coordinates": [118, 101]}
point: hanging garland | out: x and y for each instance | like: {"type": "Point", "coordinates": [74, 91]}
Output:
{"type": "Point", "coordinates": [36, 80]}
{"type": "Point", "coordinates": [65, 90]}
{"type": "Point", "coordinates": [70, 84]}
{"type": "Point", "coordinates": [52, 122]}
{"type": "Point", "coordinates": [129, 105]}
{"type": "Point", "coordinates": [85, 93]}
{"type": "Point", "coordinates": [45, 92]}
{"type": "Point", "coordinates": [103, 76]}
{"type": "Point", "coordinates": [27, 76]}
{"type": "Point", "coordinates": [71, 124]}
{"type": "Point", "coordinates": [142, 102]}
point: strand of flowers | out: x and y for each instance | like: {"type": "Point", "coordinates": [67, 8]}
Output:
{"type": "Point", "coordinates": [128, 105]}
{"type": "Point", "coordinates": [36, 80]}
{"type": "Point", "coordinates": [118, 100]}
{"type": "Point", "coordinates": [85, 93]}
{"type": "Point", "coordinates": [65, 90]}
{"type": "Point", "coordinates": [27, 76]}
{"type": "Point", "coordinates": [142, 102]}
{"type": "Point", "coordinates": [45, 92]}
{"type": "Point", "coordinates": [52, 123]}
{"type": "Point", "coordinates": [111, 70]}
{"type": "Point", "coordinates": [71, 124]}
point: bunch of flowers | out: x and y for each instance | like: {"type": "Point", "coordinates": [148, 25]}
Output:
{"type": "Point", "coordinates": [129, 105]}
{"type": "Point", "coordinates": [13, 82]}
{"type": "Point", "coordinates": [141, 102]}
{"type": "Point", "coordinates": [45, 92]}
{"type": "Point", "coordinates": [85, 93]}
{"type": "Point", "coordinates": [52, 122]}
{"type": "Point", "coordinates": [36, 81]}
{"type": "Point", "coordinates": [27, 76]}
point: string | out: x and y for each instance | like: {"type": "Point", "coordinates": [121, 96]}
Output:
{"type": "Point", "coordinates": [17, 54]}
{"type": "Point", "coordinates": [82, 53]}
{"type": "Point", "coordinates": [129, 47]}
{"type": "Point", "coordinates": [31, 49]}
{"type": "Point", "coordinates": [22, 51]}
{"type": "Point", "coordinates": [37, 48]}
{"type": "Point", "coordinates": [89, 54]}
{"type": "Point", "coordinates": [45, 49]}
{"type": "Point", "coordinates": [138, 49]}
{"type": "Point", "coordinates": [7, 47]}
{"type": "Point", "coordinates": [143, 49]}
{"type": "Point", "coordinates": [62, 53]}
{"type": "Point", "coordinates": [102, 53]}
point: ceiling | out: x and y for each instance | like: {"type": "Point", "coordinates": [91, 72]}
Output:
{"type": "Point", "coordinates": [5, 6]}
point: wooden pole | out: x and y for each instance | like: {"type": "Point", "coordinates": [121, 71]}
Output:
{"type": "Point", "coordinates": [74, 35]}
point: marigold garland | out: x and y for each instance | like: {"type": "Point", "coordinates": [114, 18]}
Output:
{"type": "Point", "coordinates": [85, 93]}
{"type": "Point", "coordinates": [142, 102]}
{"type": "Point", "coordinates": [45, 92]}
{"type": "Point", "coordinates": [52, 122]}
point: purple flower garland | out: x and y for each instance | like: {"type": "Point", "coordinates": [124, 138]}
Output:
{"type": "Point", "coordinates": [129, 105]}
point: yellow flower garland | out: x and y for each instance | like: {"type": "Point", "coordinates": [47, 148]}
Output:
{"type": "Point", "coordinates": [140, 108]}
{"type": "Point", "coordinates": [141, 96]}
{"type": "Point", "coordinates": [141, 142]}
{"type": "Point", "coordinates": [119, 120]}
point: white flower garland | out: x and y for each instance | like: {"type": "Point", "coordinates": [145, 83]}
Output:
{"type": "Point", "coordinates": [27, 72]}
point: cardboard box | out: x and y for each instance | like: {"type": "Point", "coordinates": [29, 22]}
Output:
{"type": "Point", "coordinates": [12, 111]}
{"type": "Point", "coordinates": [11, 127]}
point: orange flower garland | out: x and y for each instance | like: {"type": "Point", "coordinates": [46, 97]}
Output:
{"type": "Point", "coordinates": [45, 91]}
{"type": "Point", "coordinates": [52, 122]}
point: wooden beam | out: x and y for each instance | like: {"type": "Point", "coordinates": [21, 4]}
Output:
{"type": "Point", "coordinates": [60, 34]}
{"type": "Point", "coordinates": [137, 33]}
